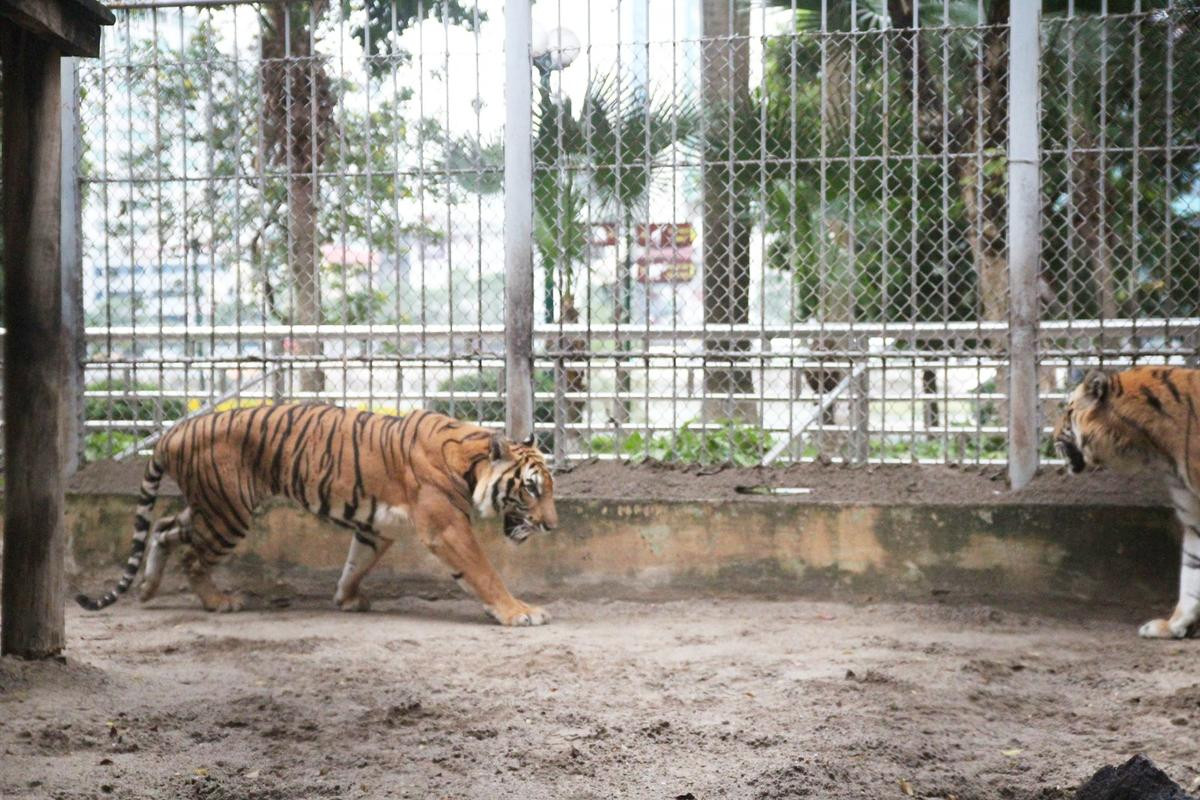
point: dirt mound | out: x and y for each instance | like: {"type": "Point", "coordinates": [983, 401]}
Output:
{"type": "Point", "coordinates": [871, 484]}
{"type": "Point", "coordinates": [1136, 779]}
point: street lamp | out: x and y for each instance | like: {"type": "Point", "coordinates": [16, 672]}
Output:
{"type": "Point", "coordinates": [554, 50]}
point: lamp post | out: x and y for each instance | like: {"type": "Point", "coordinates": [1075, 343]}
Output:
{"type": "Point", "coordinates": [552, 51]}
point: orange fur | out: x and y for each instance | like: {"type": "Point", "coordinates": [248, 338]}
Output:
{"type": "Point", "coordinates": [1145, 417]}
{"type": "Point", "coordinates": [364, 471]}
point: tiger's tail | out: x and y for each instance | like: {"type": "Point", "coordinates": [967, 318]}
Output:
{"type": "Point", "coordinates": [141, 530]}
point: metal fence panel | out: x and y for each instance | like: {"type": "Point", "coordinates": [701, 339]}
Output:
{"type": "Point", "coordinates": [773, 232]}
{"type": "Point", "coordinates": [291, 201]}
{"type": "Point", "coordinates": [760, 231]}
{"type": "Point", "coordinates": [1121, 212]}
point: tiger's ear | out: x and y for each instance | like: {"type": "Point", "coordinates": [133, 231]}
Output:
{"type": "Point", "coordinates": [1097, 384]}
{"type": "Point", "coordinates": [499, 447]}
{"type": "Point", "coordinates": [529, 442]}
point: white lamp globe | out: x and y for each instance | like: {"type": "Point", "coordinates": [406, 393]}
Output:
{"type": "Point", "coordinates": [559, 46]}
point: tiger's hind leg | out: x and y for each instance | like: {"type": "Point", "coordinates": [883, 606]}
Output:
{"type": "Point", "coordinates": [210, 542]}
{"type": "Point", "coordinates": [366, 548]}
{"type": "Point", "coordinates": [167, 533]}
{"type": "Point", "coordinates": [1187, 610]}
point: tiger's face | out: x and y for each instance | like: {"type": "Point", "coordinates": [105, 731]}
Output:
{"type": "Point", "coordinates": [520, 489]}
{"type": "Point", "coordinates": [1108, 421]}
{"type": "Point", "coordinates": [1068, 439]}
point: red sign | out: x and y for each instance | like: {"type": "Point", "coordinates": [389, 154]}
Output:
{"type": "Point", "coordinates": [666, 255]}
{"type": "Point", "coordinates": [604, 234]}
{"type": "Point", "coordinates": [666, 273]}
{"type": "Point", "coordinates": [666, 234]}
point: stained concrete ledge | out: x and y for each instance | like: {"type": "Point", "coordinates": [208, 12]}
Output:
{"type": "Point", "coordinates": [661, 548]}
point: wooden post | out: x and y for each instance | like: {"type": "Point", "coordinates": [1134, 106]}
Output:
{"type": "Point", "coordinates": [35, 351]}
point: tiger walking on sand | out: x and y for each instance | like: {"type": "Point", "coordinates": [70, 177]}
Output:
{"type": "Point", "coordinates": [368, 472]}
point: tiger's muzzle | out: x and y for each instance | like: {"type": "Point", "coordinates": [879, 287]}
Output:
{"type": "Point", "coordinates": [1066, 447]}
{"type": "Point", "coordinates": [519, 528]}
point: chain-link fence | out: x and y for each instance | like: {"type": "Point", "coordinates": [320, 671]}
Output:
{"type": "Point", "coordinates": [290, 200]}
{"type": "Point", "coordinates": [1120, 154]}
{"type": "Point", "coordinates": [759, 231]}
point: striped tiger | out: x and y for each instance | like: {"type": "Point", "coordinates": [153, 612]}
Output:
{"type": "Point", "coordinates": [366, 472]}
{"type": "Point", "coordinates": [1145, 416]}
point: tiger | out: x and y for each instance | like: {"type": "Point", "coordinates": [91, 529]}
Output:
{"type": "Point", "coordinates": [371, 473]}
{"type": "Point", "coordinates": [1145, 417]}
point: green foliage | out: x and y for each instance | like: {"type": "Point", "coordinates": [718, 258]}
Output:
{"type": "Point", "coordinates": [123, 408]}
{"type": "Point", "coordinates": [388, 19]}
{"type": "Point", "coordinates": [106, 444]}
{"type": "Point", "coordinates": [959, 447]}
{"type": "Point", "coordinates": [847, 236]}
{"type": "Point", "coordinates": [744, 445]}
{"type": "Point", "coordinates": [731, 443]}
{"type": "Point", "coordinates": [482, 400]}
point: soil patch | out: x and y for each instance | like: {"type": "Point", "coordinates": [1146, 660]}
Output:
{"type": "Point", "coordinates": [710, 698]}
{"type": "Point", "coordinates": [875, 484]}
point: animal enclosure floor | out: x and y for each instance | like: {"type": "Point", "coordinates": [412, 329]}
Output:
{"type": "Point", "coordinates": [703, 699]}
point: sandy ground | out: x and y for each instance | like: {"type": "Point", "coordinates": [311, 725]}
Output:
{"type": "Point", "coordinates": [710, 698]}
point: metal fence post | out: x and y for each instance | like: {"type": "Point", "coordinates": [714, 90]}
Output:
{"type": "Point", "coordinates": [1023, 239]}
{"type": "Point", "coordinates": [71, 261]}
{"type": "Point", "coordinates": [518, 220]}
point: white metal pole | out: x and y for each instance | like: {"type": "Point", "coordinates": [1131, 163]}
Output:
{"type": "Point", "coordinates": [1023, 240]}
{"type": "Point", "coordinates": [518, 219]}
{"type": "Point", "coordinates": [71, 262]}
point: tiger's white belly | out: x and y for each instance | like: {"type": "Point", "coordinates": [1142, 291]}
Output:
{"type": "Point", "coordinates": [387, 516]}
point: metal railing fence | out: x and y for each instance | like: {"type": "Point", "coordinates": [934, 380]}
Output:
{"type": "Point", "coordinates": [711, 230]}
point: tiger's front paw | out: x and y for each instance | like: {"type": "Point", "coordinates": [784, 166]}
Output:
{"type": "Point", "coordinates": [1163, 629]}
{"type": "Point", "coordinates": [356, 603]}
{"type": "Point", "coordinates": [224, 603]}
{"type": "Point", "coordinates": [521, 617]}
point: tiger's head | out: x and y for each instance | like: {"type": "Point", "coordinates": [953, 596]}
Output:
{"type": "Point", "coordinates": [1107, 421]}
{"type": "Point", "coordinates": [518, 486]}
{"type": "Point", "coordinates": [1072, 439]}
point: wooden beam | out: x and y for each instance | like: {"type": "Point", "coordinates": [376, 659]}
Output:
{"type": "Point", "coordinates": [35, 349]}
{"type": "Point", "coordinates": [72, 26]}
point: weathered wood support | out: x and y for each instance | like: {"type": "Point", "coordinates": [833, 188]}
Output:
{"type": "Point", "coordinates": [36, 374]}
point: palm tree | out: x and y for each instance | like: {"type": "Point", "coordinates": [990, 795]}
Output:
{"type": "Point", "coordinates": [605, 159]}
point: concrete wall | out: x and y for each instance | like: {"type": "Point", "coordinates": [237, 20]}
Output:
{"type": "Point", "coordinates": [630, 549]}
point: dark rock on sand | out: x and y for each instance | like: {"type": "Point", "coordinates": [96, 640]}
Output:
{"type": "Point", "coordinates": [1136, 779]}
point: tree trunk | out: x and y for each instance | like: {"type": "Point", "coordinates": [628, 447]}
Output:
{"type": "Point", "coordinates": [983, 133]}
{"type": "Point", "coordinates": [304, 263]}
{"type": "Point", "coordinates": [567, 380]}
{"type": "Point", "coordinates": [725, 79]}
{"type": "Point", "coordinates": [983, 193]}
{"type": "Point", "coordinates": [624, 302]}
{"type": "Point", "coordinates": [1088, 224]}
{"type": "Point", "coordinates": [297, 113]}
